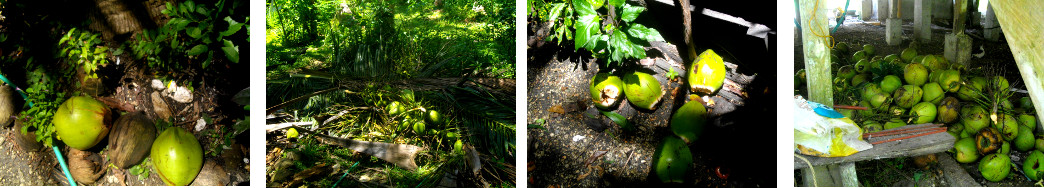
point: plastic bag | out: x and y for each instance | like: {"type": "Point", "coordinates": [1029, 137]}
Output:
{"type": "Point", "coordinates": [821, 131]}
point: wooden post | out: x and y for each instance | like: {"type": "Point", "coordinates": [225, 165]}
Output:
{"type": "Point", "coordinates": [1021, 21]}
{"type": "Point", "coordinates": [814, 25]}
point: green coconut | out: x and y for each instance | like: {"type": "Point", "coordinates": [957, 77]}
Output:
{"type": "Point", "coordinates": [894, 123]}
{"type": "Point", "coordinates": [643, 90]}
{"type": "Point", "coordinates": [869, 111]}
{"type": "Point", "coordinates": [923, 112]}
{"type": "Point", "coordinates": [859, 79]}
{"type": "Point", "coordinates": [688, 121]}
{"type": "Point", "coordinates": [81, 122]}
{"type": "Point", "coordinates": [908, 54]}
{"type": "Point", "coordinates": [846, 72]}
{"type": "Point", "coordinates": [871, 89]}
{"type": "Point", "coordinates": [947, 111]}
{"type": "Point", "coordinates": [950, 80]}
{"type": "Point", "coordinates": [915, 74]}
{"type": "Point", "coordinates": [1034, 165]}
{"type": "Point", "coordinates": [880, 101]}
{"type": "Point", "coordinates": [177, 156]}
{"type": "Point", "coordinates": [988, 140]}
{"type": "Point", "coordinates": [841, 46]}
{"type": "Point", "coordinates": [292, 133]}
{"type": "Point", "coordinates": [434, 118]}
{"type": "Point", "coordinates": [862, 66]}
{"type": "Point", "coordinates": [859, 56]}
{"type": "Point", "coordinates": [1026, 103]}
{"type": "Point", "coordinates": [419, 128]}
{"type": "Point", "coordinates": [707, 73]}
{"type": "Point", "coordinates": [872, 126]}
{"type": "Point", "coordinates": [394, 108]}
{"type": "Point", "coordinates": [995, 167]}
{"type": "Point", "coordinates": [1038, 144]}
{"type": "Point", "coordinates": [1028, 121]}
{"type": "Point", "coordinates": [840, 84]}
{"type": "Point", "coordinates": [1005, 148]}
{"type": "Point", "coordinates": [907, 96]}
{"type": "Point", "coordinates": [965, 150]}
{"type": "Point", "coordinates": [606, 90]}
{"type": "Point", "coordinates": [672, 160]}
{"type": "Point", "coordinates": [974, 117]}
{"type": "Point", "coordinates": [869, 49]}
{"type": "Point", "coordinates": [955, 130]}
{"type": "Point", "coordinates": [1008, 126]}
{"type": "Point", "coordinates": [999, 83]}
{"type": "Point", "coordinates": [1024, 141]}
{"type": "Point", "coordinates": [932, 93]}
{"type": "Point", "coordinates": [891, 57]}
{"type": "Point", "coordinates": [934, 63]}
{"type": "Point", "coordinates": [896, 110]}
{"type": "Point", "coordinates": [799, 78]}
{"type": "Point", "coordinates": [890, 83]}
{"type": "Point", "coordinates": [458, 147]}
{"type": "Point", "coordinates": [971, 88]}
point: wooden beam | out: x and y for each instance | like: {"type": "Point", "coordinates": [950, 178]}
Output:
{"type": "Point", "coordinates": [1021, 22]}
{"type": "Point", "coordinates": [815, 44]}
{"type": "Point", "coordinates": [923, 145]}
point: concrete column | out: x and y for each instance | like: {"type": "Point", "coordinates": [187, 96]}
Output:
{"type": "Point", "coordinates": [958, 48]}
{"type": "Point", "coordinates": [882, 10]}
{"type": "Point", "coordinates": [894, 24]}
{"type": "Point", "coordinates": [922, 26]}
{"type": "Point", "coordinates": [894, 31]}
{"type": "Point", "coordinates": [991, 28]}
{"type": "Point", "coordinates": [867, 11]}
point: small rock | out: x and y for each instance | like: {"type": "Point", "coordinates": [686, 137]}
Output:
{"type": "Point", "coordinates": [200, 124]}
{"type": "Point", "coordinates": [160, 107]}
{"type": "Point", "coordinates": [157, 84]}
{"type": "Point", "coordinates": [212, 174]}
{"type": "Point", "coordinates": [179, 93]}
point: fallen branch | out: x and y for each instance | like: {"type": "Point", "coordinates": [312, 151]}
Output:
{"type": "Point", "coordinates": [398, 154]}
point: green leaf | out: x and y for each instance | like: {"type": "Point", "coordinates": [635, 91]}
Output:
{"type": "Point", "coordinates": [232, 53]}
{"type": "Point", "coordinates": [616, 3]}
{"type": "Point", "coordinates": [194, 32]}
{"type": "Point", "coordinates": [631, 12]}
{"type": "Point", "coordinates": [198, 49]}
{"type": "Point", "coordinates": [554, 13]}
{"type": "Point", "coordinates": [584, 8]}
{"type": "Point", "coordinates": [618, 119]}
{"type": "Point", "coordinates": [586, 27]}
{"type": "Point", "coordinates": [233, 27]}
{"type": "Point", "coordinates": [619, 46]}
{"type": "Point", "coordinates": [644, 33]}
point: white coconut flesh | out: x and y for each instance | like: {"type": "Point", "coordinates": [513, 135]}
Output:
{"type": "Point", "coordinates": [609, 95]}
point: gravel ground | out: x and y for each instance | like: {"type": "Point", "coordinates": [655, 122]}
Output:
{"type": "Point", "coordinates": [24, 168]}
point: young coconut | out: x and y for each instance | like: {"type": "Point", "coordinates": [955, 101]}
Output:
{"type": "Point", "coordinates": [1034, 165]}
{"type": "Point", "coordinates": [177, 156]}
{"type": "Point", "coordinates": [950, 80]}
{"type": "Point", "coordinates": [974, 118]}
{"type": "Point", "coordinates": [932, 93]}
{"type": "Point", "coordinates": [606, 90]}
{"type": "Point", "coordinates": [1008, 126]}
{"type": "Point", "coordinates": [995, 167]}
{"type": "Point", "coordinates": [908, 96]}
{"type": "Point", "coordinates": [923, 112]}
{"type": "Point", "coordinates": [890, 83]}
{"type": "Point", "coordinates": [915, 74]}
{"type": "Point", "coordinates": [707, 74]}
{"type": "Point", "coordinates": [947, 110]}
{"type": "Point", "coordinates": [966, 152]}
{"type": "Point", "coordinates": [688, 121]}
{"type": "Point", "coordinates": [1024, 141]}
{"type": "Point", "coordinates": [672, 160]}
{"type": "Point", "coordinates": [81, 122]}
{"type": "Point", "coordinates": [988, 140]}
{"type": "Point", "coordinates": [643, 90]}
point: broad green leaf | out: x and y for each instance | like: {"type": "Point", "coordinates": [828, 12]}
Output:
{"type": "Point", "coordinates": [631, 12]}
{"type": "Point", "coordinates": [232, 53]}
{"type": "Point", "coordinates": [619, 46]}
{"type": "Point", "coordinates": [554, 13]}
{"type": "Point", "coordinates": [233, 26]}
{"type": "Point", "coordinates": [584, 8]}
{"type": "Point", "coordinates": [198, 49]}
{"type": "Point", "coordinates": [616, 3]}
{"type": "Point", "coordinates": [597, 3]}
{"type": "Point", "coordinates": [194, 32]}
{"type": "Point", "coordinates": [644, 33]}
{"type": "Point", "coordinates": [586, 27]}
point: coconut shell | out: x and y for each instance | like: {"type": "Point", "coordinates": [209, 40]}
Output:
{"type": "Point", "coordinates": [6, 107]}
{"type": "Point", "coordinates": [130, 140]}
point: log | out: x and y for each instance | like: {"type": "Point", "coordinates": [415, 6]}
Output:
{"type": "Point", "coordinates": [923, 145]}
{"type": "Point", "coordinates": [398, 154]}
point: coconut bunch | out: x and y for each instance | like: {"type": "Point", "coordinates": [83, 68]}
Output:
{"type": "Point", "coordinates": [911, 88]}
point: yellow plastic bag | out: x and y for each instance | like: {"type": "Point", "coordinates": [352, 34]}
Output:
{"type": "Point", "coordinates": [821, 131]}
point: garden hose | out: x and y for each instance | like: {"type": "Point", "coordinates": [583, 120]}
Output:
{"type": "Point", "coordinates": [345, 174]}
{"type": "Point", "coordinates": [57, 154]}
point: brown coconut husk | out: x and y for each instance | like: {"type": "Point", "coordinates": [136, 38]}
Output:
{"type": "Point", "coordinates": [131, 139]}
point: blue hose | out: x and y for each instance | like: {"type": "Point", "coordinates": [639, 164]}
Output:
{"type": "Point", "coordinates": [57, 154]}
{"type": "Point", "coordinates": [345, 174]}
{"type": "Point", "coordinates": [843, 12]}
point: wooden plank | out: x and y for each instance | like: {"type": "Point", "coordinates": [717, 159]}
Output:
{"type": "Point", "coordinates": [928, 144]}
{"type": "Point", "coordinates": [957, 176]}
{"type": "Point", "coordinates": [1021, 22]}
{"type": "Point", "coordinates": [815, 46]}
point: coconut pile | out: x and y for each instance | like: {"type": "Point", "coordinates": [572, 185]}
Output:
{"type": "Point", "coordinates": [977, 104]}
